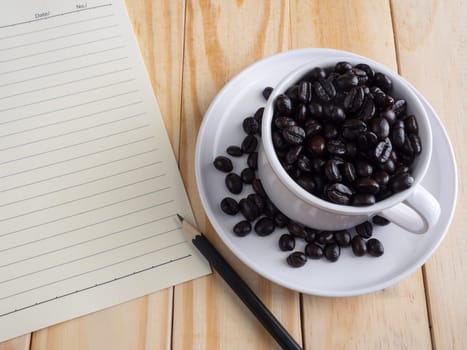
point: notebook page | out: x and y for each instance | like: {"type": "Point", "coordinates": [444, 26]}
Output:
{"type": "Point", "coordinates": [89, 186]}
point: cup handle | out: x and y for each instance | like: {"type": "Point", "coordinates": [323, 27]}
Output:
{"type": "Point", "coordinates": [417, 214]}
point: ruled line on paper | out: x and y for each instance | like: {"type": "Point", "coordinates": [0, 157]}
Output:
{"type": "Point", "coordinates": [66, 83]}
{"type": "Point", "coordinates": [80, 184]}
{"type": "Point", "coordinates": [52, 16]}
{"type": "Point", "coordinates": [63, 59]}
{"type": "Point", "coordinates": [60, 48]}
{"type": "Point", "coordinates": [63, 71]}
{"type": "Point", "coordinates": [87, 241]}
{"type": "Point", "coordinates": [80, 170]}
{"type": "Point", "coordinates": [58, 26]}
{"type": "Point", "coordinates": [97, 285]}
{"type": "Point", "coordinates": [58, 37]}
{"type": "Point", "coordinates": [86, 226]}
{"type": "Point", "coordinates": [81, 198]}
{"type": "Point", "coordinates": [93, 270]}
{"type": "Point", "coordinates": [69, 107]}
{"type": "Point", "coordinates": [71, 119]}
{"type": "Point", "coordinates": [126, 244]}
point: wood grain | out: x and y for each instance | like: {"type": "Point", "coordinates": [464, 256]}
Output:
{"type": "Point", "coordinates": [365, 322]}
{"type": "Point", "coordinates": [432, 44]}
{"type": "Point", "coordinates": [20, 343]}
{"type": "Point", "coordinates": [221, 39]}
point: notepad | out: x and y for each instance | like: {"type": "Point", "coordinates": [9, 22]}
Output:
{"type": "Point", "coordinates": [89, 186]}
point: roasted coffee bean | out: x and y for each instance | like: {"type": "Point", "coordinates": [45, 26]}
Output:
{"type": "Point", "coordinates": [370, 73]}
{"type": "Point", "coordinates": [401, 182]}
{"type": "Point", "coordinates": [382, 178]}
{"type": "Point", "coordinates": [351, 149]}
{"type": "Point", "coordinates": [234, 183]}
{"type": "Point", "coordinates": [366, 141]}
{"type": "Point", "coordinates": [280, 220]}
{"type": "Point", "coordinates": [270, 209]}
{"type": "Point", "coordinates": [258, 187]}
{"type": "Point", "coordinates": [249, 209]}
{"type": "Point", "coordinates": [380, 221]}
{"type": "Point", "coordinates": [283, 105]}
{"type": "Point", "coordinates": [264, 226]}
{"type": "Point", "coordinates": [301, 114]}
{"type": "Point", "coordinates": [283, 122]}
{"type": "Point", "coordinates": [363, 168]}
{"type": "Point", "coordinates": [389, 115]}
{"type": "Point", "coordinates": [367, 111]}
{"type": "Point", "coordinates": [249, 144]}
{"type": "Point", "coordinates": [223, 164]}
{"type": "Point", "coordinates": [384, 194]}
{"type": "Point", "coordinates": [325, 237]}
{"type": "Point", "coordinates": [389, 166]}
{"type": "Point", "coordinates": [342, 67]}
{"type": "Point", "coordinates": [286, 242]}
{"type": "Point", "coordinates": [342, 238]}
{"type": "Point", "coordinates": [316, 145]}
{"type": "Point", "coordinates": [332, 252]}
{"type": "Point", "coordinates": [398, 134]}
{"type": "Point", "coordinates": [383, 81]}
{"type": "Point", "coordinates": [401, 168]}
{"type": "Point", "coordinates": [336, 147]}
{"type": "Point", "coordinates": [296, 229]}
{"type": "Point", "coordinates": [361, 76]}
{"type": "Point", "coordinates": [334, 113]}
{"type": "Point", "coordinates": [258, 200]}
{"type": "Point", "coordinates": [292, 154]}
{"type": "Point", "coordinates": [306, 182]}
{"type": "Point", "coordinates": [293, 135]}
{"type": "Point", "coordinates": [352, 128]}
{"type": "Point", "coordinates": [296, 259]}
{"type": "Point", "coordinates": [252, 160]}
{"type": "Point", "coordinates": [411, 125]}
{"type": "Point", "coordinates": [330, 131]}
{"type": "Point", "coordinates": [366, 185]}
{"type": "Point", "coordinates": [247, 175]}
{"type": "Point", "coordinates": [358, 246]}
{"type": "Point", "coordinates": [354, 100]}
{"type": "Point", "coordinates": [415, 143]}
{"type": "Point", "coordinates": [381, 100]}
{"type": "Point", "coordinates": [292, 93]}
{"type": "Point", "coordinates": [311, 234]}
{"type": "Point", "coordinates": [346, 81]}
{"type": "Point", "coordinates": [332, 172]}
{"type": "Point", "coordinates": [374, 247]}
{"type": "Point", "coordinates": [363, 199]}
{"type": "Point", "coordinates": [314, 251]}
{"type": "Point", "coordinates": [339, 193]}
{"type": "Point", "coordinates": [324, 90]}
{"type": "Point", "coordinates": [234, 151]}
{"type": "Point", "coordinates": [305, 91]}
{"type": "Point", "coordinates": [312, 127]}
{"type": "Point", "coordinates": [349, 172]}
{"type": "Point", "coordinates": [259, 114]}
{"type": "Point", "coordinates": [383, 150]}
{"type": "Point", "coordinates": [317, 165]}
{"type": "Point", "coordinates": [242, 228]}
{"type": "Point", "coordinates": [304, 164]}
{"type": "Point", "coordinates": [278, 141]}
{"type": "Point", "coordinates": [399, 107]}
{"type": "Point", "coordinates": [229, 206]}
{"type": "Point", "coordinates": [365, 229]}
{"type": "Point", "coordinates": [317, 73]}
{"type": "Point", "coordinates": [315, 110]}
{"type": "Point", "coordinates": [267, 92]}
{"type": "Point", "coordinates": [380, 127]}
{"type": "Point", "coordinates": [250, 125]}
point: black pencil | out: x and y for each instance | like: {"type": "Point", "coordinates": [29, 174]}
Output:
{"type": "Point", "coordinates": [249, 298]}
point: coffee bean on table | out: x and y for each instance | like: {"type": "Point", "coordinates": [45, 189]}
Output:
{"type": "Point", "coordinates": [250, 125]}
{"type": "Point", "coordinates": [249, 144]}
{"type": "Point", "coordinates": [332, 252]}
{"type": "Point", "coordinates": [380, 221]}
{"type": "Point", "coordinates": [365, 229]}
{"type": "Point", "coordinates": [234, 183]}
{"type": "Point", "coordinates": [229, 206]}
{"type": "Point", "coordinates": [311, 234]}
{"type": "Point", "coordinates": [286, 242]}
{"type": "Point", "coordinates": [258, 200]}
{"type": "Point", "coordinates": [264, 226]}
{"type": "Point", "coordinates": [223, 164]}
{"type": "Point", "coordinates": [234, 151]}
{"type": "Point", "coordinates": [242, 228]}
{"type": "Point", "coordinates": [296, 229]}
{"type": "Point", "coordinates": [258, 187]}
{"type": "Point", "coordinates": [252, 160]}
{"type": "Point", "coordinates": [374, 247]}
{"type": "Point", "coordinates": [342, 238]}
{"type": "Point", "coordinates": [267, 92]}
{"type": "Point", "coordinates": [325, 237]}
{"type": "Point", "coordinates": [247, 175]}
{"type": "Point", "coordinates": [249, 209]}
{"type": "Point", "coordinates": [296, 259]}
{"type": "Point", "coordinates": [358, 245]}
{"type": "Point", "coordinates": [314, 251]}
{"type": "Point", "coordinates": [280, 220]}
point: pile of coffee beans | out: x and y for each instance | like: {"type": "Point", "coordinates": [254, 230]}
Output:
{"type": "Point", "coordinates": [342, 136]}
{"type": "Point", "coordinates": [261, 216]}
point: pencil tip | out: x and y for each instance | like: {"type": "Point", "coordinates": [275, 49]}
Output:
{"type": "Point", "coordinates": [180, 217]}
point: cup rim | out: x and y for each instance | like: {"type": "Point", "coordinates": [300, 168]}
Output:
{"type": "Point", "coordinates": [403, 88]}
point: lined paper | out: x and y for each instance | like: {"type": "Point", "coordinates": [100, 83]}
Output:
{"type": "Point", "coordinates": [89, 186]}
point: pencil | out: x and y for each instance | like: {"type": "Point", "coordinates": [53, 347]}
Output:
{"type": "Point", "coordinates": [243, 291]}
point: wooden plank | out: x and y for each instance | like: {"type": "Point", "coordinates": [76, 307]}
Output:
{"type": "Point", "coordinates": [145, 322]}
{"type": "Point", "coordinates": [20, 343]}
{"type": "Point", "coordinates": [221, 39]}
{"type": "Point", "coordinates": [432, 43]}
{"type": "Point", "coordinates": [370, 321]}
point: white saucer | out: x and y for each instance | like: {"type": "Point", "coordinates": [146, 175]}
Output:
{"type": "Point", "coordinates": [404, 252]}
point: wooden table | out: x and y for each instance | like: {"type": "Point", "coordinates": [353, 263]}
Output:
{"type": "Point", "coordinates": [191, 49]}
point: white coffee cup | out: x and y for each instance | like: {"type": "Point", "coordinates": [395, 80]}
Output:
{"type": "Point", "coordinates": [413, 209]}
